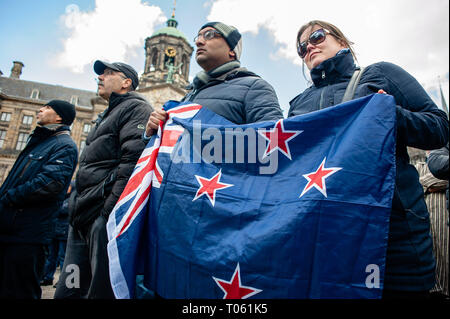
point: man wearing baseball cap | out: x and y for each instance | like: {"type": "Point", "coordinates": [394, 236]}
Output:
{"type": "Point", "coordinates": [224, 86]}
{"type": "Point", "coordinates": [108, 159]}
{"type": "Point", "coordinates": [30, 196]}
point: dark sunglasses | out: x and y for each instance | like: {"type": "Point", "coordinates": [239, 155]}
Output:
{"type": "Point", "coordinates": [315, 38]}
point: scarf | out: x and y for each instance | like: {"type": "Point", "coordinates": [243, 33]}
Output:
{"type": "Point", "coordinates": [219, 73]}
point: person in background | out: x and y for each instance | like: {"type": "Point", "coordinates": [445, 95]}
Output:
{"type": "Point", "coordinates": [57, 248]}
{"type": "Point", "coordinates": [329, 56]}
{"type": "Point", "coordinates": [437, 162]}
{"type": "Point", "coordinates": [29, 198]}
{"type": "Point", "coordinates": [112, 149]}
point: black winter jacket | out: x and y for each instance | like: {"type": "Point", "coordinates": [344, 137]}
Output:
{"type": "Point", "coordinates": [420, 124]}
{"type": "Point", "coordinates": [112, 149]}
{"type": "Point", "coordinates": [35, 188]}
{"type": "Point", "coordinates": [240, 96]}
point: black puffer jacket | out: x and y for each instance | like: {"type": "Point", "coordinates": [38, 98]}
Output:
{"type": "Point", "coordinates": [107, 161]}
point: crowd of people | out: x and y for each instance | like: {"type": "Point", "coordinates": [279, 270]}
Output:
{"type": "Point", "coordinates": [35, 195]}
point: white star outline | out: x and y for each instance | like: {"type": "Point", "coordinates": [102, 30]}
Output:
{"type": "Point", "coordinates": [238, 271]}
{"type": "Point", "coordinates": [288, 154]}
{"type": "Point", "coordinates": [324, 190]}
{"type": "Point", "coordinates": [212, 200]}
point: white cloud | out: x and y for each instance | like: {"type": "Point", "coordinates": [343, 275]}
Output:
{"type": "Point", "coordinates": [113, 31]}
{"type": "Point", "coordinates": [410, 33]}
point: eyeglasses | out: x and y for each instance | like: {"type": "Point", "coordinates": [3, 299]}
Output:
{"type": "Point", "coordinates": [207, 35]}
{"type": "Point", "coordinates": [315, 38]}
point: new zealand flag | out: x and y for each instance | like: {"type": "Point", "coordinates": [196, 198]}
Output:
{"type": "Point", "coordinates": [295, 208]}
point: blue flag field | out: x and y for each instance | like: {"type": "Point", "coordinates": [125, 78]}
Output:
{"type": "Point", "coordinates": [296, 208]}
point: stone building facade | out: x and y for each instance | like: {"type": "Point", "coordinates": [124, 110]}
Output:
{"type": "Point", "coordinates": [165, 76]}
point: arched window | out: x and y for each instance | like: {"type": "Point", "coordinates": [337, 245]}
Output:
{"type": "Point", "coordinates": [154, 59]}
{"type": "Point", "coordinates": [35, 94]}
{"type": "Point", "coordinates": [168, 60]}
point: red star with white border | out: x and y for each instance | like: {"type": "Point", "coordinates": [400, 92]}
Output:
{"type": "Point", "coordinates": [278, 138]}
{"type": "Point", "coordinates": [233, 288]}
{"type": "Point", "coordinates": [317, 178]}
{"type": "Point", "coordinates": [209, 187]}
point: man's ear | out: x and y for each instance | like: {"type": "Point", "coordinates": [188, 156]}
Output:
{"type": "Point", "coordinates": [127, 84]}
{"type": "Point", "coordinates": [58, 119]}
{"type": "Point", "coordinates": [232, 54]}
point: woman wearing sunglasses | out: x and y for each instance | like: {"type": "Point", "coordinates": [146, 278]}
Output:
{"type": "Point", "coordinates": [328, 55]}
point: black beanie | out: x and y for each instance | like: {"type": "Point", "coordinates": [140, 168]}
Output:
{"type": "Point", "coordinates": [64, 109]}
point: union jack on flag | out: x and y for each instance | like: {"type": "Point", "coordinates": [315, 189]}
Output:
{"type": "Point", "coordinates": [146, 174]}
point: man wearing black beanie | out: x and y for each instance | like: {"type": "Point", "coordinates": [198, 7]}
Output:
{"type": "Point", "coordinates": [224, 86]}
{"type": "Point", "coordinates": [30, 196]}
{"type": "Point", "coordinates": [65, 110]}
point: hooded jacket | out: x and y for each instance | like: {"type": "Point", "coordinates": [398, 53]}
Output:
{"type": "Point", "coordinates": [35, 188]}
{"type": "Point", "coordinates": [112, 149]}
{"type": "Point", "coordinates": [420, 124]}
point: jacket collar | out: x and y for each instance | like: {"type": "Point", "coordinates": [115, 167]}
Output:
{"type": "Point", "coordinates": [339, 67]}
{"type": "Point", "coordinates": [41, 133]}
{"type": "Point", "coordinates": [222, 73]}
{"type": "Point", "coordinates": [48, 130]}
{"type": "Point", "coordinates": [116, 99]}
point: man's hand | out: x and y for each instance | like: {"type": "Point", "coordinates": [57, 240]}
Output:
{"type": "Point", "coordinates": [153, 121]}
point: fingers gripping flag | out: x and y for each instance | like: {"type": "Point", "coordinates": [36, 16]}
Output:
{"type": "Point", "coordinates": [215, 225]}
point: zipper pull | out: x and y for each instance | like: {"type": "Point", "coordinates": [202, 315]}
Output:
{"type": "Point", "coordinates": [323, 74]}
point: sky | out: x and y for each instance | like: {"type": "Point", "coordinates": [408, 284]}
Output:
{"type": "Point", "coordinates": [58, 40]}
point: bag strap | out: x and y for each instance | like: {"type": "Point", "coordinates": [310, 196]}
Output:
{"type": "Point", "coordinates": [353, 84]}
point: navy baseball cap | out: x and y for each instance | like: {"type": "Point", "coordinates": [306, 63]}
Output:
{"type": "Point", "coordinates": [128, 70]}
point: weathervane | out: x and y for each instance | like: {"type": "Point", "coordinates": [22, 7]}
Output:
{"type": "Point", "coordinates": [174, 6]}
